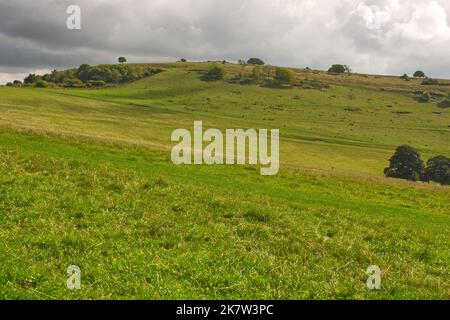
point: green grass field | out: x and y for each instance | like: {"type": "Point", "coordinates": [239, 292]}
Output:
{"type": "Point", "coordinates": [86, 179]}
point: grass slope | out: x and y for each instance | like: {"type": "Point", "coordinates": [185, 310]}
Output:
{"type": "Point", "coordinates": [86, 179]}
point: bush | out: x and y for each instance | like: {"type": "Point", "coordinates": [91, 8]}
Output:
{"type": "Point", "coordinates": [42, 84]}
{"type": "Point", "coordinates": [430, 82]}
{"type": "Point", "coordinates": [419, 74]}
{"type": "Point", "coordinates": [73, 83]}
{"type": "Point", "coordinates": [17, 83]}
{"type": "Point", "coordinates": [284, 76]}
{"type": "Point", "coordinates": [96, 83]}
{"type": "Point", "coordinates": [405, 77]}
{"type": "Point", "coordinates": [424, 97]}
{"type": "Point", "coordinates": [405, 164]}
{"type": "Point", "coordinates": [445, 104]}
{"type": "Point", "coordinates": [438, 170]}
{"type": "Point", "coordinates": [255, 61]}
{"type": "Point", "coordinates": [339, 69]}
{"type": "Point", "coordinates": [214, 74]}
{"type": "Point", "coordinates": [9, 84]}
{"type": "Point", "coordinates": [150, 72]}
{"type": "Point", "coordinates": [183, 60]}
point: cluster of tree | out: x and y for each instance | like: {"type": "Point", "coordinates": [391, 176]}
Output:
{"type": "Point", "coordinates": [407, 164]}
{"type": "Point", "coordinates": [264, 75]}
{"type": "Point", "coordinates": [267, 76]}
{"type": "Point", "coordinates": [251, 61]}
{"type": "Point", "coordinates": [339, 69]}
{"type": "Point", "coordinates": [420, 74]}
{"type": "Point", "coordinates": [90, 76]}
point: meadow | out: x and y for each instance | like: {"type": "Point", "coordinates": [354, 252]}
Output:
{"type": "Point", "coordinates": [86, 179]}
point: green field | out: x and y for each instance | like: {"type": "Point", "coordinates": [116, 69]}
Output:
{"type": "Point", "coordinates": [86, 179]}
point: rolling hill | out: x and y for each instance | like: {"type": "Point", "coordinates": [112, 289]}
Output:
{"type": "Point", "coordinates": [86, 179]}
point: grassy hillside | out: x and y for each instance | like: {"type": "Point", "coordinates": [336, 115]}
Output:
{"type": "Point", "coordinates": [86, 179]}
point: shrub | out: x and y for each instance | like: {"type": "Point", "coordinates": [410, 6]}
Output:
{"type": "Point", "coordinates": [284, 76]}
{"type": "Point", "coordinates": [424, 97]}
{"type": "Point", "coordinates": [430, 82]}
{"type": "Point", "coordinates": [150, 72]}
{"type": "Point", "coordinates": [42, 84]}
{"type": "Point", "coordinates": [73, 83]}
{"type": "Point", "coordinates": [405, 164]}
{"type": "Point", "coordinates": [445, 103]}
{"type": "Point", "coordinates": [419, 74]}
{"type": "Point", "coordinates": [438, 170]}
{"type": "Point", "coordinates": [9, 84]}
{"type": "Point", "coordinates": [255, 61]}
{"type": "Point", "coordinates": [17, 83]}
{"type": "Point", "coordinates": [405, 77]}
{"type": "Point", "coordinates": [214, 74]}
{"type": "Point", "coordinates": [258, 74]}
{"type": "Point", "coordinates": [96, 83]}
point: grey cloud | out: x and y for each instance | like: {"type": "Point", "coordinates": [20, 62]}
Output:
{"type": "Point", "coordinates": [380, 36]}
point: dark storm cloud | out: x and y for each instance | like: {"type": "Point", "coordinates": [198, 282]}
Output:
{"type": "Point", "coordinates": [380, 36]}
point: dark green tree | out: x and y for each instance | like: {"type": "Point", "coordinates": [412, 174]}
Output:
{"type": "Point", "coordinates": [255, 61]}
{"type": "Point", "coordinates": [438, 170]}
{"type": "Point", "coordinates": [405, 164]}
{"type": "Point", "coordinates": [122, 60]}
{"type": "Point", "coordinates": [339, 68]}
{"type": "Point", "coordinates": [83, 72]}
{"type": "Point", "coordinates": [31, 78]}
{"type": "Point", "coordinates": [419, 74]}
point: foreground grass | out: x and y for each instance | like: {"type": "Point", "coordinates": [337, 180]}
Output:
{"type": "Point", "coordinates": [140, 227]}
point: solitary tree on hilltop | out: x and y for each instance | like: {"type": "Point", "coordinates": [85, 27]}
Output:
{"type": "Point", "coordinates": [255, 61]}
{"type": "Point", "coordinates": [122, 59]}
{"type": "Point", "coordinates": [419, 74]}
{"type": "Point", "coordinates": [339, 68]}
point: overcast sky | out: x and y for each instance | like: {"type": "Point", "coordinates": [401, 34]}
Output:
{"type": "Point", "coordinates": [372, 36]}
